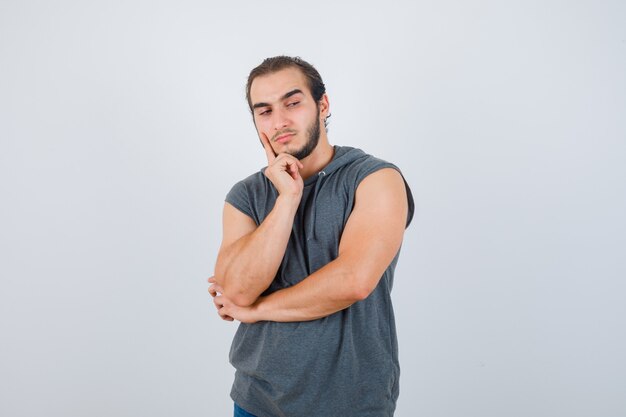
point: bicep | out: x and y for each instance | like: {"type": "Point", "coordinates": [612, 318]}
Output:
{"type": "Point", "coordinates": [373, 233]}
{"type": "Point", "coordinates": [235, 225]}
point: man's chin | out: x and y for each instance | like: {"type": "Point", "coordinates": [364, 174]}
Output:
{"type": "Point", "coordinates": [301, 153]}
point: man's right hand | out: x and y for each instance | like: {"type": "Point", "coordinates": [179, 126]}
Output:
{"type": "Point", "coordinates": [283, 170]}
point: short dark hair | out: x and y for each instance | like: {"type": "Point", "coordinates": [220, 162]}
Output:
{"type": "Point", "coordinates": [277, 63]}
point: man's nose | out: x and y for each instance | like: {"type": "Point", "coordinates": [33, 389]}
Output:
{"type": "Point", "coordinates": [280, 120]}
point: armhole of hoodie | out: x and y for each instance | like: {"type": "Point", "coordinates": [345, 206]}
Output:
{"type": "Point", "coordinates": [239, 198]}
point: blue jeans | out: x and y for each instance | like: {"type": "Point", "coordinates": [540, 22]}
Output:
{"type": "Point", "coordinates": [240, 412]}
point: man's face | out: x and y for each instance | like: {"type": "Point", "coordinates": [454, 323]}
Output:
{"type": "Point", "coordinates": [285, 112]}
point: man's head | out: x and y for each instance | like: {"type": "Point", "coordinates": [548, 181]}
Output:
{"type": "Point", "coordinates": [287, 99]}
{"type": "Point", "coordinates": [274, 64]}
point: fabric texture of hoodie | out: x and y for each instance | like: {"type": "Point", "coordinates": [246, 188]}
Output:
{"type": "Point", "coordinates": [345, 364]}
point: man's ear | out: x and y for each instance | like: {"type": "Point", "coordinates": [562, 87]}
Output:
{"type": "Point", "coordinates": [324, 106]}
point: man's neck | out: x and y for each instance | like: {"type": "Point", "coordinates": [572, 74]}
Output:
{"type": "Point", "coordinates": [318, 159]}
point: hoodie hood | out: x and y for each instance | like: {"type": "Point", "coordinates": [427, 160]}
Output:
{"type": "Point", "coordinates": [343, 156]}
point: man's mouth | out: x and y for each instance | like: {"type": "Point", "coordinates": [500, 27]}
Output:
{"type": "Point", "coordinates": [284, 137]}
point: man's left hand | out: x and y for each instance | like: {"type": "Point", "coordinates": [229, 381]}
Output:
{"type": "Point", "coordinates": [228, 310]}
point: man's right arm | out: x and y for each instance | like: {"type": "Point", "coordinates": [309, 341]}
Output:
{"type": "Point", "coordinates": [250, 256]}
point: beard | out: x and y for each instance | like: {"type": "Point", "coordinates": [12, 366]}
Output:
{"type": "Point", "coordinates": [313, 133]}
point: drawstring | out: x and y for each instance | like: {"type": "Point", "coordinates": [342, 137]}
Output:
{"type": "Point", "coordinates": [318, 184]}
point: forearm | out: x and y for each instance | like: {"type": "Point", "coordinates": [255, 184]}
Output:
{"type": "Point", "coordinates": [246, 268]}
{"type": "Point", "coordinates": [332, 288]}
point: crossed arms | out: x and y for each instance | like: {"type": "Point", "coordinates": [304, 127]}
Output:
{"type": "Point", "coordinates": [250, 256]}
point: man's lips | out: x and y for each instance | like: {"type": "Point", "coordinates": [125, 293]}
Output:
{"type": "Point", "coordinates": [284, 138]}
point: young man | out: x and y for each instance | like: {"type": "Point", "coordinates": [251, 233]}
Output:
{"type": "Point", "coordinates": [310, 244]}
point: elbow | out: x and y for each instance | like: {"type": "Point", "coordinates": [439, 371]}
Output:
{"type": "Point", "coordinates": [242, 299]}
{"type": "Point", "coordinates": [360, 293]}
{"type": "Point", "coordinates": [361, 286]}
{"type": "Point", "coordinates": [235, 282]}
{"type": "Point", "coordinates": [234, 291]}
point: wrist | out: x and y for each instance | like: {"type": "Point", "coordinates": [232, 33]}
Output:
{"type": "Point", "coordinates": [260, 309]}
{"type": "Point", "coordinates": [289, 200]}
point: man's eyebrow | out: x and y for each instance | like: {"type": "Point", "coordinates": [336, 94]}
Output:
{"type": "Point", "coordinates": [285, 96]}
{"type": "Point", "coordinates": [292, 92]}
{"type": "Point", "coordinates": [258, 105]}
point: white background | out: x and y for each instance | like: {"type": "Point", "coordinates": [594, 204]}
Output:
{"type": "Point", "coordinates": [123, 124]}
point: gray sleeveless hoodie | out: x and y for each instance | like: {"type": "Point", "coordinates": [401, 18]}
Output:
{"type": "Point", "coordinates": [342, 365]}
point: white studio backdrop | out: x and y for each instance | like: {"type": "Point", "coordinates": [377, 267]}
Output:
{"type": "Point", "coordinates": [124, 124]}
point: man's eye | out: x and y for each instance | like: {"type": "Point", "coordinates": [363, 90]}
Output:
{"type": "Point", "coordinates": [264, 112]}
{"type": "Point", "coordinates": [292, 104]}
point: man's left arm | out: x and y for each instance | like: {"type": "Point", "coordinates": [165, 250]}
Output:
{"type": "Point", "coordinates": [370, 240]}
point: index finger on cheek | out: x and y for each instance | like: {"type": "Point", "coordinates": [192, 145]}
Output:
{"type": "Point", "coordinates": [269, 152]}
